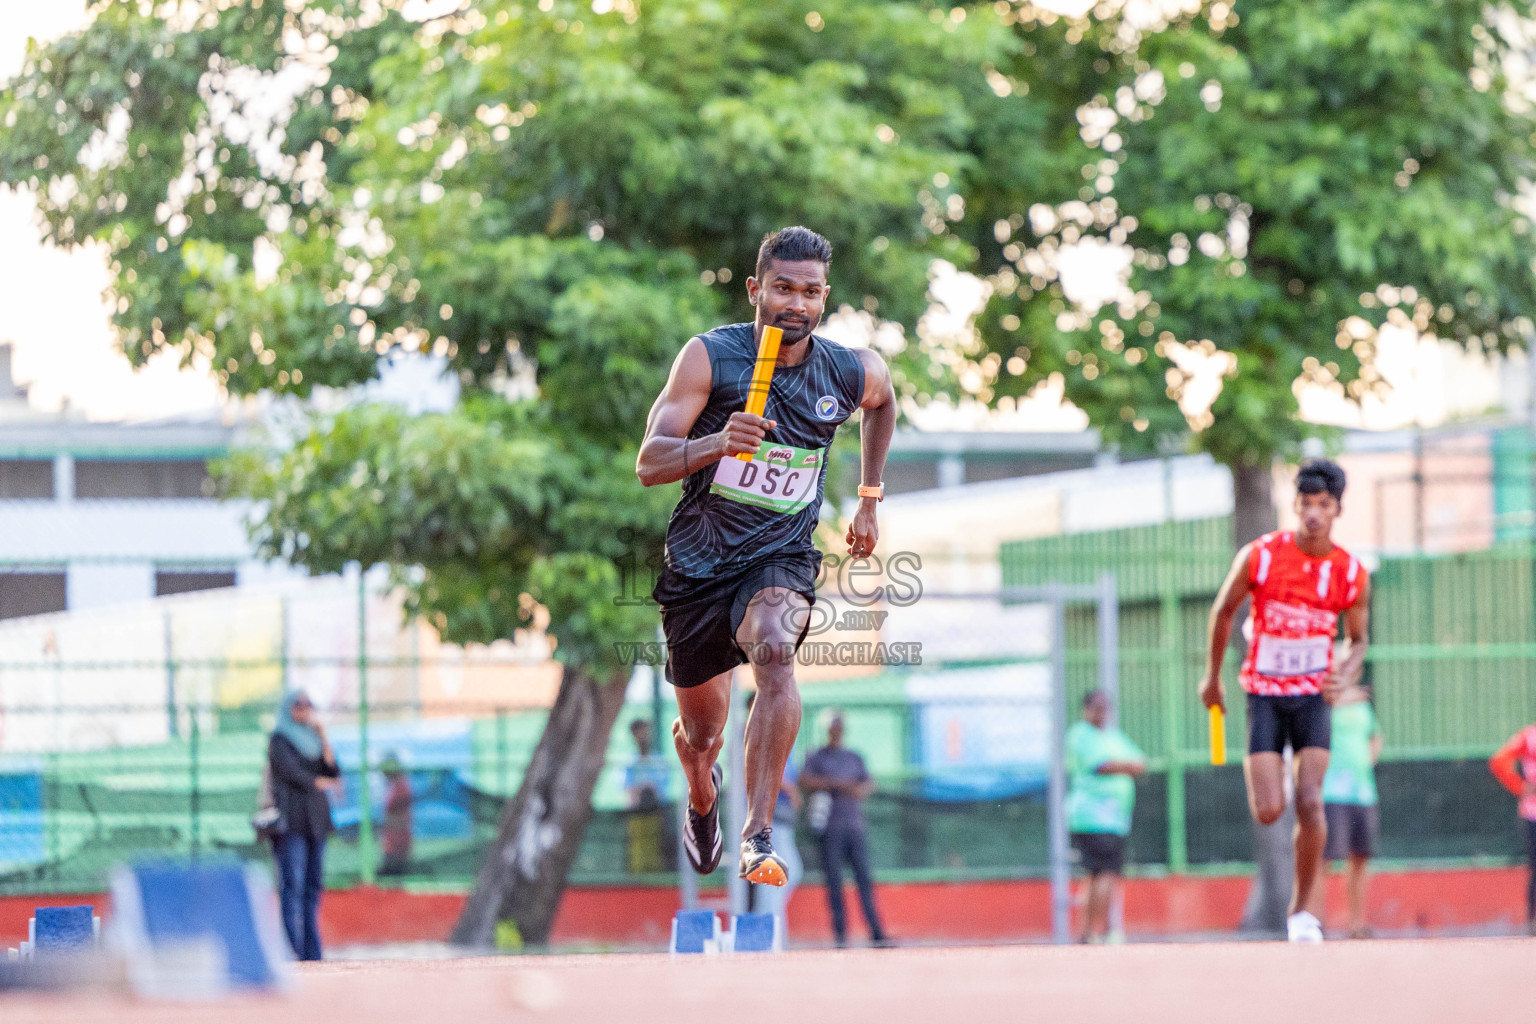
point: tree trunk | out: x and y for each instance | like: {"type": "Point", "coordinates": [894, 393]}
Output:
{"type": "Point", "coordinates": [1270, 896]}
{"type": "Point", "coordinates": [1253, 501]}
{"type": "Point", "coordinates": [524, 872]}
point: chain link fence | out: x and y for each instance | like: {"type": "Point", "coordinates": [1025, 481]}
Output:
{"type": "Point", "coordinates": [126, 732]}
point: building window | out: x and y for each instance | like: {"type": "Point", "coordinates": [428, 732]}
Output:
{"type": "Point", "coordinates": [185, 582]}
{"type": "Point", "coordinates": [178, 478]}
{"type": "Point", "coordinates": [31, 593]}
{"type": "Point", "coordinates": [26, 478]}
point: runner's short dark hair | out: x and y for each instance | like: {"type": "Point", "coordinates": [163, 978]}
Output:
{"type": "Point", "coordinates": [792, 245]}
{"type": "Point", "coordinates": [1320, 475]}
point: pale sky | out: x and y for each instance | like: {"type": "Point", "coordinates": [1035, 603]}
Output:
{"type": "Point", "coordinates": [51, 305]}
{"type": "Point", "coordinates": [52, 310]}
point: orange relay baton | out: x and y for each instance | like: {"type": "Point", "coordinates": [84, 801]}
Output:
{"type": "Point", "coordinates": [1218, 734]}
{"type": "Point", "coordinates": [762, 375]}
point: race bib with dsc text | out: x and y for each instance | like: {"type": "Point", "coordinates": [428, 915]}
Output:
{"type": "Point", "coordinates": [779, 477]}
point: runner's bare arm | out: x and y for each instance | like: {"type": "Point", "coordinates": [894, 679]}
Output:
{"type": "Point", "coordinates": [666, 455]}
{"type": "Point", "coordinates": [879, 405]}
{"type": "Point", "coordinates": [1357, 620]}
{"type": "Point", "coordinates": [1233, 592]}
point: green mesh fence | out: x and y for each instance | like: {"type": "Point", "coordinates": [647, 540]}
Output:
{"type": "Point", "coordinates": [1453, 662]}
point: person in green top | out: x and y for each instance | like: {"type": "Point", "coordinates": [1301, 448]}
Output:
{"type": "Point", "coordinates": [1102, 765]}
{"type": "Point", "coordinates": [1349, 799]}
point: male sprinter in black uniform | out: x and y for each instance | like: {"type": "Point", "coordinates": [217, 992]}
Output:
{"type": "Point", "coordinates": [740, 568]}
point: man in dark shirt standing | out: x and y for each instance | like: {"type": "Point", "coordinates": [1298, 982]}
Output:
{"type": "Point", "coordinates": [838, 783]}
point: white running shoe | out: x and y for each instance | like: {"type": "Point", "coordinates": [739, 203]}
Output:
{"type": "Point", "coordinates": [1303, 927]}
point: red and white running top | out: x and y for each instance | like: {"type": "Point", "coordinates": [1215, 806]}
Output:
{"type": "Point", "coordinates": [1296, 604]}
{"type": "Point", "coordinates": [1521, 749]}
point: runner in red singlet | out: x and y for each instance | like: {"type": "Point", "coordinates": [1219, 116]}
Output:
{"type": "Point", "coordinates": [1300, 583]}
{"type": "Point", "coordinates": [1515, 766]}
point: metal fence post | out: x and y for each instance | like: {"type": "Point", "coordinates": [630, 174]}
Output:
{"type": "Point", "coordinates": [1173, 716]}
{"type": "Point", "coordinates": [172, 728]}
{"type": "Point", "coordinates": [364, 794]}
{"type": "Point", "coordinates": [52, 811]}
{"type": "Point", "coordinates": [658, 727]}
{"type": "Point", "coordinates": [735, 805]}
{"type": "Point", "coordinates": [283, 642]}
{"type": "Point", "coordinates": [1056, 810]}
{"type": "Point", "coordinates": [195, 803]}
{"type": "Point", "coordinates": [503, 782]}
{"type": "Point", "coordinates": [1109, 643]}
{"type": "Point", "coordinates": [1109, 684]}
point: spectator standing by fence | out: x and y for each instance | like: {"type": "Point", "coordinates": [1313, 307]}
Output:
{"type": "Point", "coordinates": [838, 783]}
{"type": "Point", "coordinates": [1515, 766]}
{"type": "Point", "coordinates": [646, 788]}
{"type": "Point", "coordinates": [1102, 765]}
{"type": "Point", "coordinates": [1349, 801]}
{"type": "Point", "coordinates": [398, 803]}
{"type": "Point", "coordinates": [303, 770]}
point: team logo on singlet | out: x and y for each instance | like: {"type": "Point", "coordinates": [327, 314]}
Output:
{"type": "Point", "coordinates": [826, 407]}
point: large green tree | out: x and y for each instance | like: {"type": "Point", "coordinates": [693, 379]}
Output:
{"type": "Point", "coordinates": [552, 196]}
{"type": "Point", "coordinates": [1279, 178]}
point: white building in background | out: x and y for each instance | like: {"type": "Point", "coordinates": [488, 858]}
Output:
{"type": "Point", "coordinates": [95, 514]}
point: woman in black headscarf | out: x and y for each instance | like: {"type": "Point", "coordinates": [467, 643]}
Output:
{"type": "Point", "coordinates": [303, 769]}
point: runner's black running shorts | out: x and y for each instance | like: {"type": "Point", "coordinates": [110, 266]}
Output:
{"type": "Point", "coordinates": [700, 616]}
{"type": "Point", "coordinates": [1275, 722]}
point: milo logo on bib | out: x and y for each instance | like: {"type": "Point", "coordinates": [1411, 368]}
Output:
{"type": "Point", "coordinates": [779, 477]}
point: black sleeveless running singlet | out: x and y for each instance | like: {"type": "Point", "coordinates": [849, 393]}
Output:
{"type": "Point", "coordinates": [712, 534]}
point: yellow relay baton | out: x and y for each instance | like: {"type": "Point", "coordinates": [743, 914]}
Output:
{"type": "Point", "coordinates": [1218, 734]}
{"type": "Point", "coordinates": [762, 376]}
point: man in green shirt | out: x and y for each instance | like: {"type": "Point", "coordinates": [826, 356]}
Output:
{"type": "Point", "coordinates": [1102, 765]}
{"type": "Point", "coordinates": [1349, 799]}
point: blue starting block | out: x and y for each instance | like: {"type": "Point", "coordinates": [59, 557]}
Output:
{"type": "Point", "coordinates": [699, 931]}
{"type": "Point", "coordinates": [696, 931]}
{"type": "Point", "coordinates": [198, 930]}
{"type": "Point", "coordinates": [59, 930]}
{"type": "Point", "coordinates": [756, 933]}
{"type": "Point", "coordinates": [64, 929]}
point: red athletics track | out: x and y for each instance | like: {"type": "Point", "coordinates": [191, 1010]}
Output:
{"type": "Point", "coordinates": [1422, 902]}
{"type": "Point", "coordinates": [1400, 982]}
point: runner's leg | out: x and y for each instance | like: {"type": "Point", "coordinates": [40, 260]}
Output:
{"type": "Point", "coordinates": [1311, 824]}
{"type": "Point", "coordinates": [1265, 773]}
{"type": "Point", "coordinates": [773, 621]}
{"type": "Point", "coordinates": [1264, 767]}
{"type": "Point", "coordinates": [1318, 905]}
{"type": "Point", "coordinates": [1530, 887]}
{"type": "Point", "coordinates": [1358, 863]}
{"type": "Point", "coordinates": [699, 733]}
